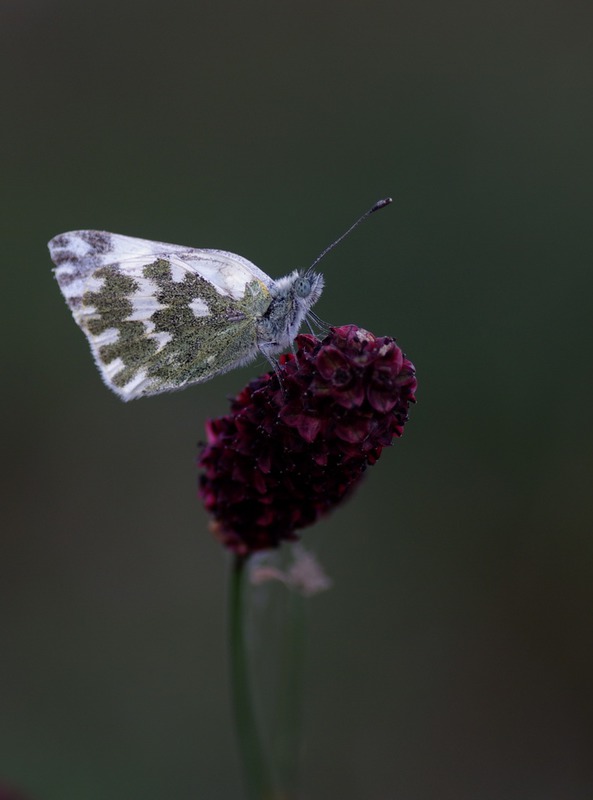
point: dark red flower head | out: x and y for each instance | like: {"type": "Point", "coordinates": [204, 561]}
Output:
{"type": "Point", "coordinates": [288, 453]}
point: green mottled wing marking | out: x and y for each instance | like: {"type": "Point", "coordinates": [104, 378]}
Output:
{"type": "Point", "coordinates": [154, 337]}
{"type": "Point", "coordinates": [113, 305]}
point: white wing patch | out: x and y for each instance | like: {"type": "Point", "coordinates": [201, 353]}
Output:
{"type": "Point", "coordinates": [199, 307]}
{"type": "Point", "coordinates": [109, 336]}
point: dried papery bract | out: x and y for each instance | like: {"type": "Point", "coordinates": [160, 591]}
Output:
{"type": "Point", "coordinates": [304, 574]}
{"type": "Point", "coordinates": [291, 450]}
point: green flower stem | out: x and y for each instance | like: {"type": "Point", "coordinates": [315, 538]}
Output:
{"type": "Point", "coordinates": [257, 776]}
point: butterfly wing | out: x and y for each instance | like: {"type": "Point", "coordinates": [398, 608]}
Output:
{"type": "Point", "coordinates": [158, 316]}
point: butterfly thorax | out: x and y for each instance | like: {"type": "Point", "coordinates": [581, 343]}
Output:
{"type": "Point", "coordinates": [292, 298]}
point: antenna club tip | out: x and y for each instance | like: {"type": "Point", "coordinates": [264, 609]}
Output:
{"type": "Point", "coordinates": [381, 204]}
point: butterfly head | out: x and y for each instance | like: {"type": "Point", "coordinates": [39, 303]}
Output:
{"type": "Point", "coordinates": [292, 298]}
{"type": "Point", "coordinates": [308, 287]}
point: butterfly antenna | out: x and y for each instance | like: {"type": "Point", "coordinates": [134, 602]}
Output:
{"type": "Point", "coordinates": [378, 205]}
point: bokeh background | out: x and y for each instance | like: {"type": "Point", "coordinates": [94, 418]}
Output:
{"type": "Point", "coordinates": [453, 657]}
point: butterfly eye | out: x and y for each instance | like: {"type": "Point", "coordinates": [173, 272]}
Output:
{"type": "Point", "coordinates": [302, 286]}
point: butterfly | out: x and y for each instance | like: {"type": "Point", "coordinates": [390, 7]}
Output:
{"type": "Point", "coordinates": [160, 317]}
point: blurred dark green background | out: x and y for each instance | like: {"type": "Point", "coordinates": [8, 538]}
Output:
{"type": "Point", "coordinates": [453, 658]}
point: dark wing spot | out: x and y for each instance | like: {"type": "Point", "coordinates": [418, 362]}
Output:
{"type": "Point", "coordinates": [66, 278]}
{"type": "Point", "coordinates": [234, 315]}
{"type": "Point", "coordinates": [64, 255]}
{"type": "Point", "coordinates": [98, 240]}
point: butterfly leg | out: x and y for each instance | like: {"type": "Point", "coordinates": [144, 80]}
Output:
{"type": "Point", "coordinates": [321, 324]}
{"type": "Point", "coordinates": [274, 363]}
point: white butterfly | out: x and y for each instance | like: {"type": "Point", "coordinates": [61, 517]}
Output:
{"type": "Point", "coordinates": [160, 317]}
